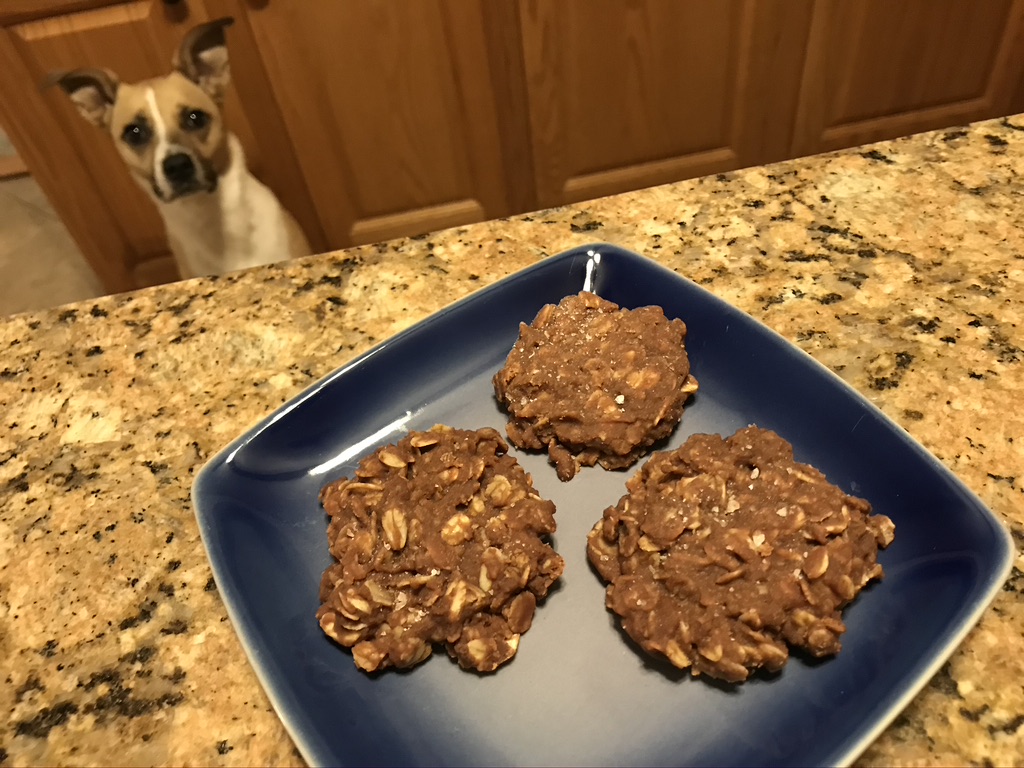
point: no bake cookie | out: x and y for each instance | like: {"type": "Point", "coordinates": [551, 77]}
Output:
{"type": "Point", "coordinates": [438, 539]}
{"type": "Point", "coordinates": [725, 552]}
{"type": "Point", "coordinates": [591, 382]}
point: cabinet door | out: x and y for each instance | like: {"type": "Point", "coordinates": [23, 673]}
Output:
{"type": "Point", "coordinates": [878, 69]}
{"type": "Point", "coordinates": [624, 95]}
{"type": "Point", "coordinates": [389, 109]}
{"type": "Point", "coordinates": [112, 219]}
{"type": "Point", "coordinates": [74, 162]}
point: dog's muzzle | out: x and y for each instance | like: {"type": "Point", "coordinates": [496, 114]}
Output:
{"type": "Point", "coordinates": [183, 176]}
{"type": "Point", "coordinates": [179, 169]}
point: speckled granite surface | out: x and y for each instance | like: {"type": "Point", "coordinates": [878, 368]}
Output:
{"type": "Point", "coordinates": [900, 266]}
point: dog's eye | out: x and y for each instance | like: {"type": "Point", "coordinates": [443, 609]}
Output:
{"type": "Point", "coordinates": [194, 119]}
{"type": "Point", "coordinates": [136, 134]}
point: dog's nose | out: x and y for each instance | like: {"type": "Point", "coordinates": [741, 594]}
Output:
{"type": "Point", "coordinates": [179, 168]}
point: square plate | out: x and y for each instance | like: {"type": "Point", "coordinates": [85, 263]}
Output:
{"type": "Point", "coordinates": [579, 692]}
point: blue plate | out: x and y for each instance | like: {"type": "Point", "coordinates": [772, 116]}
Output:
{"type": "Point", "coordinates": [578, 692]}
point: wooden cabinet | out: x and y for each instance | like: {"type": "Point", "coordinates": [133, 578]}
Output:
{"type": "Point", "coordinates": [373, 119]}
{"type": "Point", "coordinates": [623, 95]}
{"type": "Point", "coordinates": [877, 69]}
{"type": "Point", "coordinates": [389, 108]}
{"type": "Point", "coordinates": [106, 215]}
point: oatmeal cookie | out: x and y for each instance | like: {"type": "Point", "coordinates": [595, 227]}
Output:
{"type": "Point", "coordinates": [438, 539]}
{"type": "Point", "coordinates": [725, 552]}
{"type": "Point", "coordinates": [593, 383]}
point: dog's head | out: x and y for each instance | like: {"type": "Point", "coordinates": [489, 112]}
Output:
{"type": "Point", "coordinates": [169, 129]}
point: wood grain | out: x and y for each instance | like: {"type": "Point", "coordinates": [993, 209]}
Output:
{"type": "Point", "coordinates": [627, 95]}
{"type": "Point", "coordinates": [508, 84]}
{"type": "Point", "coordinates": [14, 11]}
{"type": "Point", "coordinates": [379, 228]}
{"type": "Point", "coordinates": [126, 39]}
{"type": "Point", "coordinates": [59, 170]}
{"type": "Point", "coordinates": [273, 159]}
{"type": "Point", "coordinates": [12, 166]}
{"type": "Point", "coordinates": [389, 109]}
{"type": "Point", "coordinates": [877, 70]}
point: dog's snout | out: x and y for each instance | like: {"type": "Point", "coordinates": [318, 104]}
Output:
{"type": "Point", "coordinates": [179, 168]}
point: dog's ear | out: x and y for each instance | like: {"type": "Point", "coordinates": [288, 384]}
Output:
{"type": "Point", "coordinates": [92, 90]}
{"type": "Point", "coordinates": [203, 57]}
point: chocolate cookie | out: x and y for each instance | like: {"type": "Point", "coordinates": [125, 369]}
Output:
{"type": "Point", "coordinates": [439, 538]}
{"type": "Point", "coordinates": [591, 382]}
{"type": "Point", "coordinates": [725, 551]}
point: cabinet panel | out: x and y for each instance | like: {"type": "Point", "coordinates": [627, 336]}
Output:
{"type": "Point", "coordinates": [628, 94]}
{"type": "Point", "coordinates": [126, 39]}
{"type": "Point", "coordinates": [57, 167]}
{"type": "Point", "coordinates": [878, 69]}
{"type": "Point", "coordinates": [390, 111]}
{"type": "Point", "coordinates": [12, 11]}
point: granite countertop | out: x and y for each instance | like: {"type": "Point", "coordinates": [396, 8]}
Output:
{"type": "Point", "coordinates": [900, 266]}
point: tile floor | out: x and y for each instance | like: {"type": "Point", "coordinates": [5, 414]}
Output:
{"type": "Point", "coordinates": [40, 265]}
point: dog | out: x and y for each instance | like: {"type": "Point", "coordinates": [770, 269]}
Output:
{"type": "Point", "coordinates": [170, 132]}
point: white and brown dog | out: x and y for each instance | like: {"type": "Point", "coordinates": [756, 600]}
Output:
{"type": "Point", "coordinates": [170, 132]}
